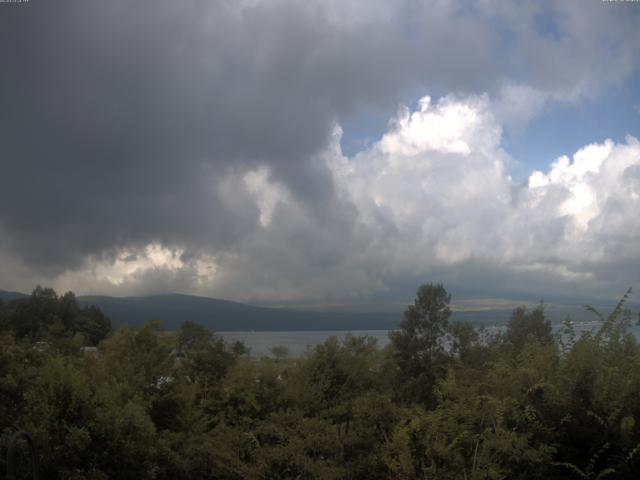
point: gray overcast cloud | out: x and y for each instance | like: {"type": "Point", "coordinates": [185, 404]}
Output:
{"type": "Point", "coordinates": [157, 146]}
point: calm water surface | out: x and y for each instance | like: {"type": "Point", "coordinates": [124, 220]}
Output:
{"type": "Point", "coordinates": [260, 343]}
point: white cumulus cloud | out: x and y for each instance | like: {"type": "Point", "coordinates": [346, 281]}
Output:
{"type": "Point", "coordinates": [431, 200]}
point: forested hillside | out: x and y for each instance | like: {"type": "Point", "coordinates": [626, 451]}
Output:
{"type": "Point", "coordinates": [441, 401]}
{"type": "Point", "coordinates": [170, 310]}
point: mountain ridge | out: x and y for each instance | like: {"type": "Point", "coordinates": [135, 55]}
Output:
{"type": "Point", "coordinates": [170, 310]}
{"type": "Point", "coordinates": [226, 315]}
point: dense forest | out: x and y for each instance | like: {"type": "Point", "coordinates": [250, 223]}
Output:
{"type": "Point", "coordinates": [442, 401]}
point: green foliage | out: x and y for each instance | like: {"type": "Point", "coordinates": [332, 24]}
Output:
{"type": "Point", "coordinates": [193, 336]}
{"type": "Point", "coordinates": [279, 352]}
{"type": "Point", "coordinates": [441, 402]}
{"type": "Point", "coordinates": [418, 343]}
{"type": "Point", "coordinates": [530, 326]}
{"type": "Point", "coordinates": [464, 340]}
{"type": "Point", "coordinates": [58, 320]}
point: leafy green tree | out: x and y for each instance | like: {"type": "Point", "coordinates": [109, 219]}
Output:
{"type": "Point", "coordinates": [193, 336]}
{"type": "Point", "coordinates": [526, 326]}
{"type": "Point", "coordinates": [137, 359]}
{"type": "Point", "coordinates": [92, 324]}
{"type": "Point", "coordinates": [279, 352]}
{"type": "Point", "coordinates": [419, 342]}
{"type": "Point", "coordinates": [334, 373]}
{"type": "Point", "coordinates": [44, 316]}
{"type": "Point", "coordinates": [464, 339]}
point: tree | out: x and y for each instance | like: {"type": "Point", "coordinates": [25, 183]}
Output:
{"type": "Point", "coordinates": [45, 316]}
{"type": "Point", "coordinates": [463, 338]}
{"type": "Point", "coordinates": [419, 340]}
{"type": "Point", "coordinates": [194, 336]}
{"type": "Point", "coordinates": [205, 356]}
{"type": "Point", "coordinates": [92, 324]}
{"type": "Point", "coordinates": [279, 352]}
{"type": "Point", "coordinates": [526, 326]}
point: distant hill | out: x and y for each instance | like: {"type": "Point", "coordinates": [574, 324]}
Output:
{"type": "Point", "coordinates": [8, 296]}
{"type": "Point", "coordinates": [223, 315]}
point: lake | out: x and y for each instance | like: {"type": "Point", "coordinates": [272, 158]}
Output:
{"type": "Point", "coordinates": [298, 342]}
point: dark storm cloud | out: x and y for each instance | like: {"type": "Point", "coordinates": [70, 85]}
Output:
{"type": "Point", "coordinates": [129, 123]}
{"type": "Point", "coordinates": [119, 117]}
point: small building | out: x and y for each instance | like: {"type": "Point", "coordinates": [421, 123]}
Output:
{"type": "Point", "coordinates": [90, 351]}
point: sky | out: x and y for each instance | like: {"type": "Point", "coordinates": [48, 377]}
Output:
{"type": "Point", "coordinates": [321, 152]}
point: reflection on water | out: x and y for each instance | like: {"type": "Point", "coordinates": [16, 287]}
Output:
{"type": "Point", "coordinates": [298, 342]}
